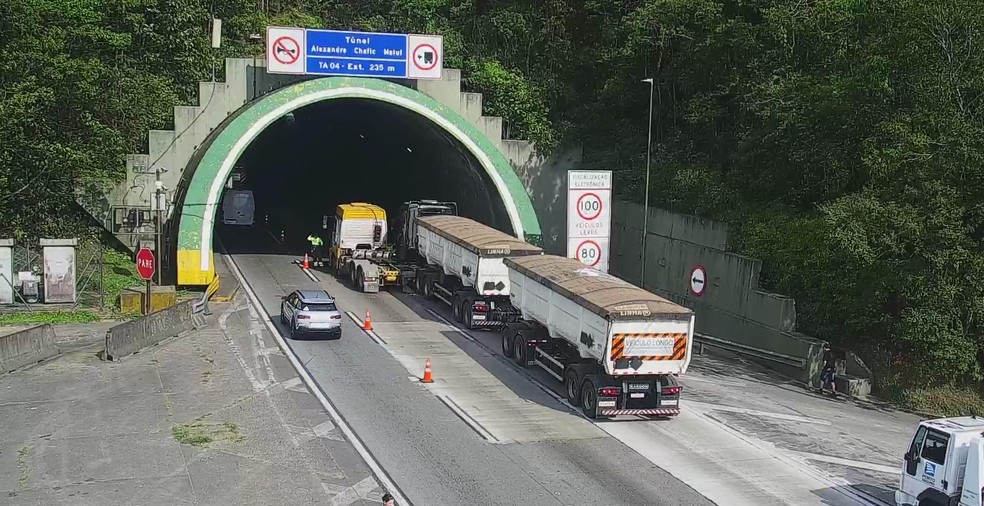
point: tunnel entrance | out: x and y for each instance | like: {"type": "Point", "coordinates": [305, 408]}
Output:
{"type": "Point", "coordinates": [310, 146]}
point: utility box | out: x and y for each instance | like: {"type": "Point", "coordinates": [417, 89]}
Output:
{"type": "Point", "coordinates": [161, 297]}
{"type": "Point", "coordinates": [59, 270]}
{"type": "Point", "coordinates": [6, 271]}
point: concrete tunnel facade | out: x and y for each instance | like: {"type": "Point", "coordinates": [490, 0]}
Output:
{"type": "Point", "coordinates": [212, 165]}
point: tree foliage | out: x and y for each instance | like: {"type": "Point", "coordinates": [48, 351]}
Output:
{"type": "Point", "coordinates": [842, 139]}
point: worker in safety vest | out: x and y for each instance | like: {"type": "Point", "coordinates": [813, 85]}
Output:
{"type": "Point", "coordinates": [317, 248]}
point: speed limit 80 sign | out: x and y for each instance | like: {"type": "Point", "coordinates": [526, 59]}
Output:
{"type": "Point", "coordinates": [589, 216]}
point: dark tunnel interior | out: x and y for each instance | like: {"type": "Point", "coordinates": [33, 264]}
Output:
{"type": "Point", "coordinates": [359, 150]}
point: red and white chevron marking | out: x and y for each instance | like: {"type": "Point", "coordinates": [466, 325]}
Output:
{"type": "Point", "coordinates": [657, 411]}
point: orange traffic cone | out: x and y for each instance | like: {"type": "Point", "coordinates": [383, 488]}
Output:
{"type": "Point", "coordinates": [367, 324]}
{"type": "Point", "coordinates": [305, 261]}
{"type": "Point", "coordinates": [427, 372]}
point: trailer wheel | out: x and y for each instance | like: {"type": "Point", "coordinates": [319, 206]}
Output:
{"type": "Point", "coordinates": [507, 341]}
{"type": "Point", "coordinates": [519, 350]}
{"type": "Point", "coordinates": [428, 288]}
{"type": "Point", "coordinates": [573, 392]}
{"type": "Point", "coordinates": [589, 400]}
{"type": "Point", "coordinates": [466, 314]}
{"type": "Point", "coordinates": [456, 309]}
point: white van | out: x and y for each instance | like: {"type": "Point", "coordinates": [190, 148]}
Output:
{"type": "Point", "coordinates": [238, 207]}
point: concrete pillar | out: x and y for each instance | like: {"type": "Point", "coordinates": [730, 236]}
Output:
{"type": "Point", "coordinates": [59, 270]}
{"type": "Point", "coordinates": [6, 271]}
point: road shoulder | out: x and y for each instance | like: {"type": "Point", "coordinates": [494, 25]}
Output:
{"type": "Point", "coordinates": [217, 416]}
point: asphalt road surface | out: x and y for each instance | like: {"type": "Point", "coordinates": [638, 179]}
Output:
{"type": "Point", "coordinates": [490, 432]}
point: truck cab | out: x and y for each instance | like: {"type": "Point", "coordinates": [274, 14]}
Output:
{"type": "Point", "coordinates": [406, 223]}
{"type": "Point", "coordinates": [944, 464]}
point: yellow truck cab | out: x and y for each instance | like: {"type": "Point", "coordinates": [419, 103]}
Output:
{"type": "Point", "coordinates": [358, 250]}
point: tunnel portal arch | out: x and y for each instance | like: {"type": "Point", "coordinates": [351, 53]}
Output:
{"type": "Point", "coordinates": [210, 170]}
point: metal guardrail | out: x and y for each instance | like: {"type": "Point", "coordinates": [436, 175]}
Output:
{"type": "Point", "coordinates": [744, 349]}
{"type": "Point", "coordinates": [201, 304]}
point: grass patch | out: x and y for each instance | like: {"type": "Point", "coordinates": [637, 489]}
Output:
{"type": "Point", "coordinates": [200, 433]}
{"type": "Point", "coordinates": [39, 317]}
{"type": "Point", "coordinates": [943, 401]}
{"type": "Point", "coordinates": [119, 273]}
{"type": "Point", "coordinates": [22, 456]}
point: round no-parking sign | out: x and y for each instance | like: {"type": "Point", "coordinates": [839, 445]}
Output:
{"type": "Point", "coordinates": [589, 252]}
{"type": "Point", "coordinates": [698, 281]}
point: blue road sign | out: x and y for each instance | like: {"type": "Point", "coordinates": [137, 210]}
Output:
{"type": "Point", "coordinates": [356, 54]}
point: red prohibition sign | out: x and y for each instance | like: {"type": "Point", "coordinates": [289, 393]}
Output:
{"type": "Point", "coordinates": [594, 247]}
{"type": "Point", "coordinates": [282, 46]}
{"type": "Point", "coordinates": [415, 58]}
{"type": "Point", "coordinates": [580, 208]}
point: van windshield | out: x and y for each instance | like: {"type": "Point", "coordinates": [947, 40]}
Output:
{"type": "Point", "coordinates": [327, 306]}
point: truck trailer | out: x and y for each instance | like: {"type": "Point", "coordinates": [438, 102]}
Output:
{"type": "Point", "coordinates": [461, 264]}
{"type": "Point", "coordinates": [617, 348]}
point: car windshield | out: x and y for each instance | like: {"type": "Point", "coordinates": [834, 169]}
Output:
{"type": "Point", "coordinates": [326, 306]}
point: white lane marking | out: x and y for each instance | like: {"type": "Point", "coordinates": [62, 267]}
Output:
{"type": "Point", "coordinates": [353, 439]}
{"type": "Point", "coordinates": [471, 422]}
{"type": "Point", "coordinates": [310, 275]}
{"type": "Point", "coordinates": [732, 409]}
{"type": "Point", "coordinates": [539, 384]}
{"type": "Point", "coordinates": [261, 355]}
{"type": "Point", "coordinates": [371, 333]}
{"type": "Point", "coordinates": [224, 325]}
{"type": "Point", "coordinates": [323, 429]}
{"type": "Point", "coordinates": [848, 462]}
{"type": "Point", "coordinates": [344, 496]}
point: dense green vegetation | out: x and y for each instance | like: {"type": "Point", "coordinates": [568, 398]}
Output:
{"type": "Point", "coordinates": [842, 139]}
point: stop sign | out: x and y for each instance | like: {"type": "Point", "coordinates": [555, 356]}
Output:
{"type": "Point", "coordinates": [146, 264]}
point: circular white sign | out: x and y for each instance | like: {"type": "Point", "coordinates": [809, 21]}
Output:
{"type": "Point", "coordinates": [588, 252]}
{"type": "Point", "coordinates": [698, 281]}
{"type": "Point", "coordinates": [425, 57]}
{"type": "Point", "coordinates": [589, 206]}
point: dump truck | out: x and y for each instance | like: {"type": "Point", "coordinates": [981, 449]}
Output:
{"type": "Point", "coordinates": [944, 464]}
{"type": "Point", "coordinates": [461, 264]}
{"type": "Point", "coordinates": [617, 348]}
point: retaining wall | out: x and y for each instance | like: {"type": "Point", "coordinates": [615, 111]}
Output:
{"type": "Point", "coordinates": [130, 337]}
{"type": "Point", "coordinates": [732, 307]}
{"type": "Point", "coordinates": [27, 347]}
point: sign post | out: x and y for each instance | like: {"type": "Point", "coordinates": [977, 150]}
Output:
{"type": "Point", "coordinates": [146, 266]}
{"type": "Point", "coordinates": [304, 51]}
{"type": "Point", "coordinates": [589, 217]}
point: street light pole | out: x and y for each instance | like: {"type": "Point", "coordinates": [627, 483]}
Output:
{"type": "Point", "coordinates": [158, 245]}
{"type": "Point", "coordinates": [649, 153]}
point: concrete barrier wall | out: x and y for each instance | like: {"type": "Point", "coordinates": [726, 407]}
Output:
{"type": "Point", "coordinates": [27, 347]}
{"type": "Point", "coordinates": [732, 307]}
{"type": "Point", "coordinates": [130, 337]}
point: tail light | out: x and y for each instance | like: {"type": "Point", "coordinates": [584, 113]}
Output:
{"type": "Point", "coordinates": [609, 391]}
{"type": "Point", "coordinates": [336, 317]}
{"type": "Point", "coordinates": [480, 307]}
{"type": "Point", "coordinates": [671, 390]}
{"type": "Point", "coordinates": [303, 317]}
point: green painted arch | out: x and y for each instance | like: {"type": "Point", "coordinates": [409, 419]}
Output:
{"type": "Point", "coordinates": [195, 264]}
